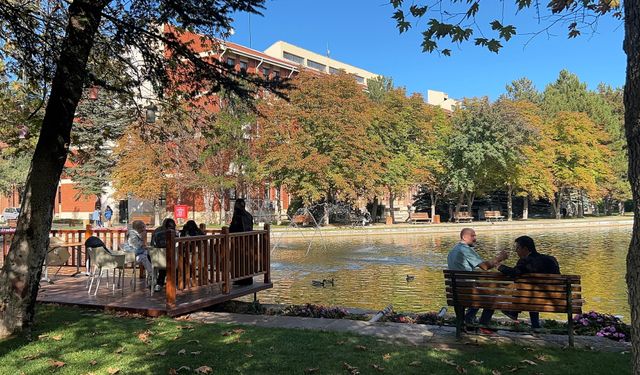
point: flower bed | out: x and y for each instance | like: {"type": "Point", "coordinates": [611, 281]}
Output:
{"type": "Point", "coordinates": [603, 325]}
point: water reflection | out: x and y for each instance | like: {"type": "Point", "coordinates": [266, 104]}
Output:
{"type": "Point", "coordinates": [370, 271]}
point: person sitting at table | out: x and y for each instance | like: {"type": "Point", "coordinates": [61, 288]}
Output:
{"type": "Point", "coordinates": [190, 229]}
{"type": "Point", "coordinates": [159, 239]}
{"type": "Point", "coordinates": [135, 243]}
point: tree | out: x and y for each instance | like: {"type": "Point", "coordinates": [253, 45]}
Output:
{"type": "Point", "coordinates": [477, 150]}
{"type": "Point", "coordinates": [317, 143]}
{"type": "Point", "coordinates": [575, 15]}
{"type": "Point", "coordinates": [64, 46]}
{"type": "Point", "coordinates": [100, 122]}
{"type": "Point", "coordinates": [523, 89]}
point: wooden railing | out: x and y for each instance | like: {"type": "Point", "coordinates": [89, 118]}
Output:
{"type": "Point", "coordinates": [215, 259]}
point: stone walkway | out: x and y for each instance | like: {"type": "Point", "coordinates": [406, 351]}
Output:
{"type": "Point", "coordinates": [414, 334]}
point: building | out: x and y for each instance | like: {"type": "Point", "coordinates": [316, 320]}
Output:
{"type": "Point", "coordinates": [441, 99]}
{"type": "Point", "coordinates": [311, 60]}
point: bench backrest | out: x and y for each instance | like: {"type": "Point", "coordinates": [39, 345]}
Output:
{"type": "Point", "coordinates": [492, 213]}
{"type": "Point", "coordinates": [531, 292]}
{"type": "Point", "coordinates": [419, 215]}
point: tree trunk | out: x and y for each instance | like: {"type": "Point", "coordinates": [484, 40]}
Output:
{"type": "Point", "coordinates": [434, 198]}
{"type": "Point", "coordinates": [621, 208]}
{"type": "Point", "coordinates": [459, 204]}
{"type": "Point", "coordinates": [221, 206]}
{"type": "Point", "coordinates": [509, 202]}
{"type": "Point", "coordinates": [580, 204]}
{"type": "Point", "coordinates": [525, 208]}
{"type": "Point", "coordinates": [557, 204]}
{"type": "Point", "coordinates": [470, 197]}
{"type": "Point", "coordinates": [208, 197]}
{"type": "Point", "coordinates": [20, 275]}
{"type": "Point", "coordinates": [632, 131]}
{"type": "Point", "coordinates": [374, 209]}
{"type": "Point", "coordinates": [392, 197]}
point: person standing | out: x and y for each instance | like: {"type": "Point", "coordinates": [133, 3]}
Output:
{"type": "Point", "coordinates": [96, 217]}
{"type": "Point", "coordinates": [159, 239]}
{"type": "Point", "coordinates": [530, 261]}
{"type": "Point", "coordinates": [242, 221]}
{"type": "Point", "coordinates": [108, 213]}
{"type": "Point", "coordinates": [463, 257]}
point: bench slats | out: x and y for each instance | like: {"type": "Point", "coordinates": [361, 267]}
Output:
{"type": "Point", "coordinates": [498, 276]}
{"type": "Point", "coordinates": [577, 309]}
{"type": "Point", "coordinates": [514, 293]}
{"type": "Point", "coordinates": [513, 286]}
{"type": "Point", "coordinates": [517, 300]}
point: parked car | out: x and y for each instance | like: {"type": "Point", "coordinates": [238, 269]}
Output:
{"type": "Point", "coordinates": [10, 213]}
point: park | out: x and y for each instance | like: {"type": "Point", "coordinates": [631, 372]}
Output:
{"type": "Point", "coordinates": [175, 200]}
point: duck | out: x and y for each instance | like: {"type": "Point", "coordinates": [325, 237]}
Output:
{"type": "Point", "coordinates": [322, 283]}
{"type": "Point", "coordinates": [410, 278]}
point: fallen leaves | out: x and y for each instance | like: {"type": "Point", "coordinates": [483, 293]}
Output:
{"type": "Point", "coordinates": [197, 342]}
{"type": "Point", "coordinates": [119, 350]}
{"type": "Point", "coordinates": [145, 336]}
{"type": "Point", "coordinates": [541, 357]}
{"type": "Point", "coordinates": [473, 362]}
{"type": "Point", "coordinates": [415, 363]}
{"type": "Point", "coordinates": [182, 352]}
{"type": "Point", "coordinates": [31, 357]}
{"type": "Point", "coordinates": [461, 370]}
{"type": "Point", "coordinates": [93, 362]}
{"type": "Point", "coordinates": [351, 369]}
{"type": "Point", "coordinates": [495, 372]}
{"type": "Point", "coordinates": [113, 371]}
{"type": "Point", "coordinates": [56, 364]}
{"type": "Point", "coordinates": [386, 357]}
{"type": "Point", "coordinates": [311, 370]}
{"type": "Point", "coordinates": [56, 337]}
{"type": "Point", "coordinates": [528, 362]}
{"type": "Point", "coordinates": [361, 347]}
{"type": "Point", "coordinates": [248, 355]}
{"type": "Point", "coordinates": [377, 367]}
{"type": "Point", "coordinates": [161, 354]}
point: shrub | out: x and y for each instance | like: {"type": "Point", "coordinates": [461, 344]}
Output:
{"type": "Point", "coordinates": [603, 325]}
{"type": "Point", "coordinates": [310, 310]}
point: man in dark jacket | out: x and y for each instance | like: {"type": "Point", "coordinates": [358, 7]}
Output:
{"type": "Point", "coordinates": [242, 221]}
{"type": "Point", "coordinates": [531, 261]}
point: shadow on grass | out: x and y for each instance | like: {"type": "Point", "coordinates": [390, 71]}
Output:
{"type": "Point", "coordinates": [90, 341]}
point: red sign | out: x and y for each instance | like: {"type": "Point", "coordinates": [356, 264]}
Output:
{"type": "Point", "coordinates": [180, 211]}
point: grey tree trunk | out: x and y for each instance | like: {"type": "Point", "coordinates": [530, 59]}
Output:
{"type": "Point", "coordinates": [580, 204]}
{"type": "Point", "coordinates": [632, 132]}
{"type": "Point", "coordinates": [208, 197]}
{"type": "Point", "coordinates": [374, 209]}
{"type": "Point", "coordinates": [434, 198]}
{"type": "Point", "coordinates": [557, 204]}
{"type": "Point", "coordinates": [525, 208]}
{"type": "Point", "coordinates": [20, 275]}
{"type": "Point", "coordinates": [459, 204]}
{"type": "Point", "coordinates": [509, 202]}
{"type": "Point", "coordinates": [392, 197]}
{"type": "Point", "coordinates": [470, 197]}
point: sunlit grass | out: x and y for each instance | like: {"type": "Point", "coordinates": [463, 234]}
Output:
{"type": "Point", "coordinates": [92, 342]}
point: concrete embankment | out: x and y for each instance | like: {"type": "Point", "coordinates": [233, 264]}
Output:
{"type": "Point", "coordinates": [481, 226]}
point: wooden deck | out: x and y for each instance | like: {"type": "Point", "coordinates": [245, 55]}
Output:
{"type": "Point", "coordinates": [68, 290]}
{"type": "Point", "coordinates": [201, 272]}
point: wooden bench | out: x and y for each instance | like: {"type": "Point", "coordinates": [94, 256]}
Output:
{"type": "Point", "coordinates": [463, 217]}
{"type": "Point", "coordinates": [415, 217]}
{"type": "Point", "coordinates": [493, 215]}
{"type": "Point", "coordinates": [532, 292]}
{"type": "Point", "coordinates": [301, 220]}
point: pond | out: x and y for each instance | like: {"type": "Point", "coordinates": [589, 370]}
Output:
{"type": "Point", "coordinates": [371, 271]}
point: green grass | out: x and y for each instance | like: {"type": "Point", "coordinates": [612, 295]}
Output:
{"type": "Point", "coordinates": [93, 342]}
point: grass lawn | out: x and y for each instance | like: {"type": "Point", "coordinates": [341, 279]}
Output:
{"type": "Point", "coordinates": [79, 341]}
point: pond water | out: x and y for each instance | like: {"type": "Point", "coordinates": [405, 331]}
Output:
{"type": "Point", "coordinates": [371, 271]}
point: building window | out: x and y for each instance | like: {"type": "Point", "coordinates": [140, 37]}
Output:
{"type": "Point", "coordinates": [276, 75]}
{"type": "Point", "coordinates": [243, 67]}
{"type": "Point", "coordinates": [360, 80]}
{"type": "Point", "coordinates": [317, 66]}
{"type": "Point", "coordinates": [294, 58]}
{"type": "Point", "coordinates": [333, 70]}
{"type": "Point", "coordinates": [265, 73]}
{"type": "Point", "coordinates": [231, 62]}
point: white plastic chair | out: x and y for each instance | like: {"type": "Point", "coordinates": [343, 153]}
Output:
{"type": "Point", "coordinates": [102, 260]}
{"type": "Point", "coordinates": [158, 262]}
{"type": "Point", "coordinates": [57, 255]}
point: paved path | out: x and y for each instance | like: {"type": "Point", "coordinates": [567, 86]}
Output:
{"type": "Point", "coordinates": [415, 334]}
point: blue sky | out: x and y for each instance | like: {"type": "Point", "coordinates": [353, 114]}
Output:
{"type": "Point", "coordinates": [362, 33]}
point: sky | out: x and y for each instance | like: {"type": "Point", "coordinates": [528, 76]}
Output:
{"type": "Point", "coordinates": [362, 33]}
